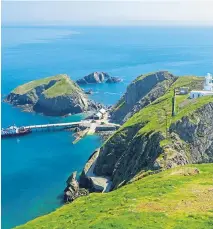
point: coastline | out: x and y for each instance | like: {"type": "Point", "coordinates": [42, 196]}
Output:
{"type": "Point", "coordinates": [33, 59]}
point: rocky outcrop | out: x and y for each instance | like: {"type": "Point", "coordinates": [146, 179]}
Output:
{"type": "Point", "coordinates": [72, 191]}
{"type": "Point", "coordinates": [54, 96]}
{"type": "Point", "coordinates": [141, 92]}
{"type": "Point", "coordinates": [98, 77]}
{"type": "Point", "coordinates": [95, 77]}
{"type": "Point", "coordinates": [113, 80]}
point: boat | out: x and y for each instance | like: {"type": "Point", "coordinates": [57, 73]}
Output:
{"type": "Point", "coordinates": [13, 131]}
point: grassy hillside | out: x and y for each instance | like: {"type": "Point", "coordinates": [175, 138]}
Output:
{"type": "Point", "coordinates": [63, 86]}
{"type": "Point", "coordinates": [155, 114]}
{"type": "Point", "coordinates": [180, 198]}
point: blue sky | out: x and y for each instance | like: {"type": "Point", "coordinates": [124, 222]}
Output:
{"type": "Point", "coordinates": [182, 12]}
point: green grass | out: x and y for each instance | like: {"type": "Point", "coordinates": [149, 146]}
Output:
{"type": "Point", "coordinates": [174, 199]}
{"type": "Point", "coordinates": [32, 84]}
{"type": "Point", "coordinates": [62, 86]}
{"type": "Point", "coordinates": [155, 114]}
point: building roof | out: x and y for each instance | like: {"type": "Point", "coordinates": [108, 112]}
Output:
{"type": "Point", "coordinates": [102, 110]}
{"type": "Point", "coordinates": [98, 114]}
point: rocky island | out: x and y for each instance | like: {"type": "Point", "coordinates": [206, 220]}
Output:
{"type": "Point", "coordinates": [54, 96]}
{"type": "Point", "coordinates": [157, 167]}
{"type": "Point", "coordinates": [98, 77]}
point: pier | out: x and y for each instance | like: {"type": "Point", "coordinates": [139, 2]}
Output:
{"type": "Point", "coordinates": [93, 125]}
{"type": "Point", "coordinates": [82, 128]}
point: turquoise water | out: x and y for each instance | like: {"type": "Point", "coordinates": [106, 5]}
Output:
{"type": "Point", "coordinates": [35, 167]}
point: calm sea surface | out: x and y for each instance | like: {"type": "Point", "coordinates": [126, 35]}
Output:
{"type": "Point", "coordinates": [35, 167]}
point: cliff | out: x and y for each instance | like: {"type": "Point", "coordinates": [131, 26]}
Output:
{"type": "Point", "coordinates": [98, 77]}
{"type": "Point", "coordinates": [176, 198]}
{"type": "Point", "coordinates": [153, 140]}
{"type": "Point", "coordinates": [141, 92]}
{"type": "Point", "coordinates": [53, 96]}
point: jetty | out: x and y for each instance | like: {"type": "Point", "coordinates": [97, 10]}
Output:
{"type": "Point", "coordinates": [79, 135]}
{"type": "Point", "coordinates": [82, 128]}
{"type": "Point", "coordinates": [94, 125]}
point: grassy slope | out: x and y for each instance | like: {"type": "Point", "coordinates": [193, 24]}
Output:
{"type": "Point", "coordinates": [168, 200]}
{"type": "Point", "coordinates": [141, 77]}
{"type": "Point", "coordinates": [63, 86]}
{"type": "Point", "coordinates": [155, 113]}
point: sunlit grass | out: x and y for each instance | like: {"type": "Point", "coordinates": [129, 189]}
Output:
{"type": "Point", "coordinates": [176, 198]}
{"type": "Point", "coordinates": [62, 86]}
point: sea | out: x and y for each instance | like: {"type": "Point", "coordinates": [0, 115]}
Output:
{"type": "Point", "coordinates": [35, 167]}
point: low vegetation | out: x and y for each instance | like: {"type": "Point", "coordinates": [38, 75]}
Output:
{"type": "Point", "coordinates": [61, 85]}
{"type": "Point", "coordinates": [180, 198]}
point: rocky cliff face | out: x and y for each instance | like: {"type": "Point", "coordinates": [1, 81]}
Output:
{"type": "Point", "coordinates": [127, 155]}
{"type": "Point", "coordinates": [196, 131]}
{"type": "Point", "coordinates": [95, 77]}
{"type": "Point", "coordinates": [61, 105]}
{"type": "Point", "coordinates": [141, 92]}
{"type": "Point", "coordinates": [54, 96]}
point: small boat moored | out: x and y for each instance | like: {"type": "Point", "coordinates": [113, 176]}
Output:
{"type": "Point", "coordinates": [13, 131]}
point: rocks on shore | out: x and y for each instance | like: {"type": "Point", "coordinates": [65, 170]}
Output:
{"type": "Point", "coordinates": [73, 191]}
{"type": "Point", "coordinates": [53, 96]}
{"type": "Point", "coordinates": [98, 77]}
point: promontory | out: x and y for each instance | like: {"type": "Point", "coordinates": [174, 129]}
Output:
{"type": "Point", "coordinates": [54, 96]}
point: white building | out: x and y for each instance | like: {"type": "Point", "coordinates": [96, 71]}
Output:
{"type": "Point", "coordinates": [102, 111]}
{"type": "Point", "coordinates": [207, 90]}
{"type": "Point", "coordinates": [98, 116]}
